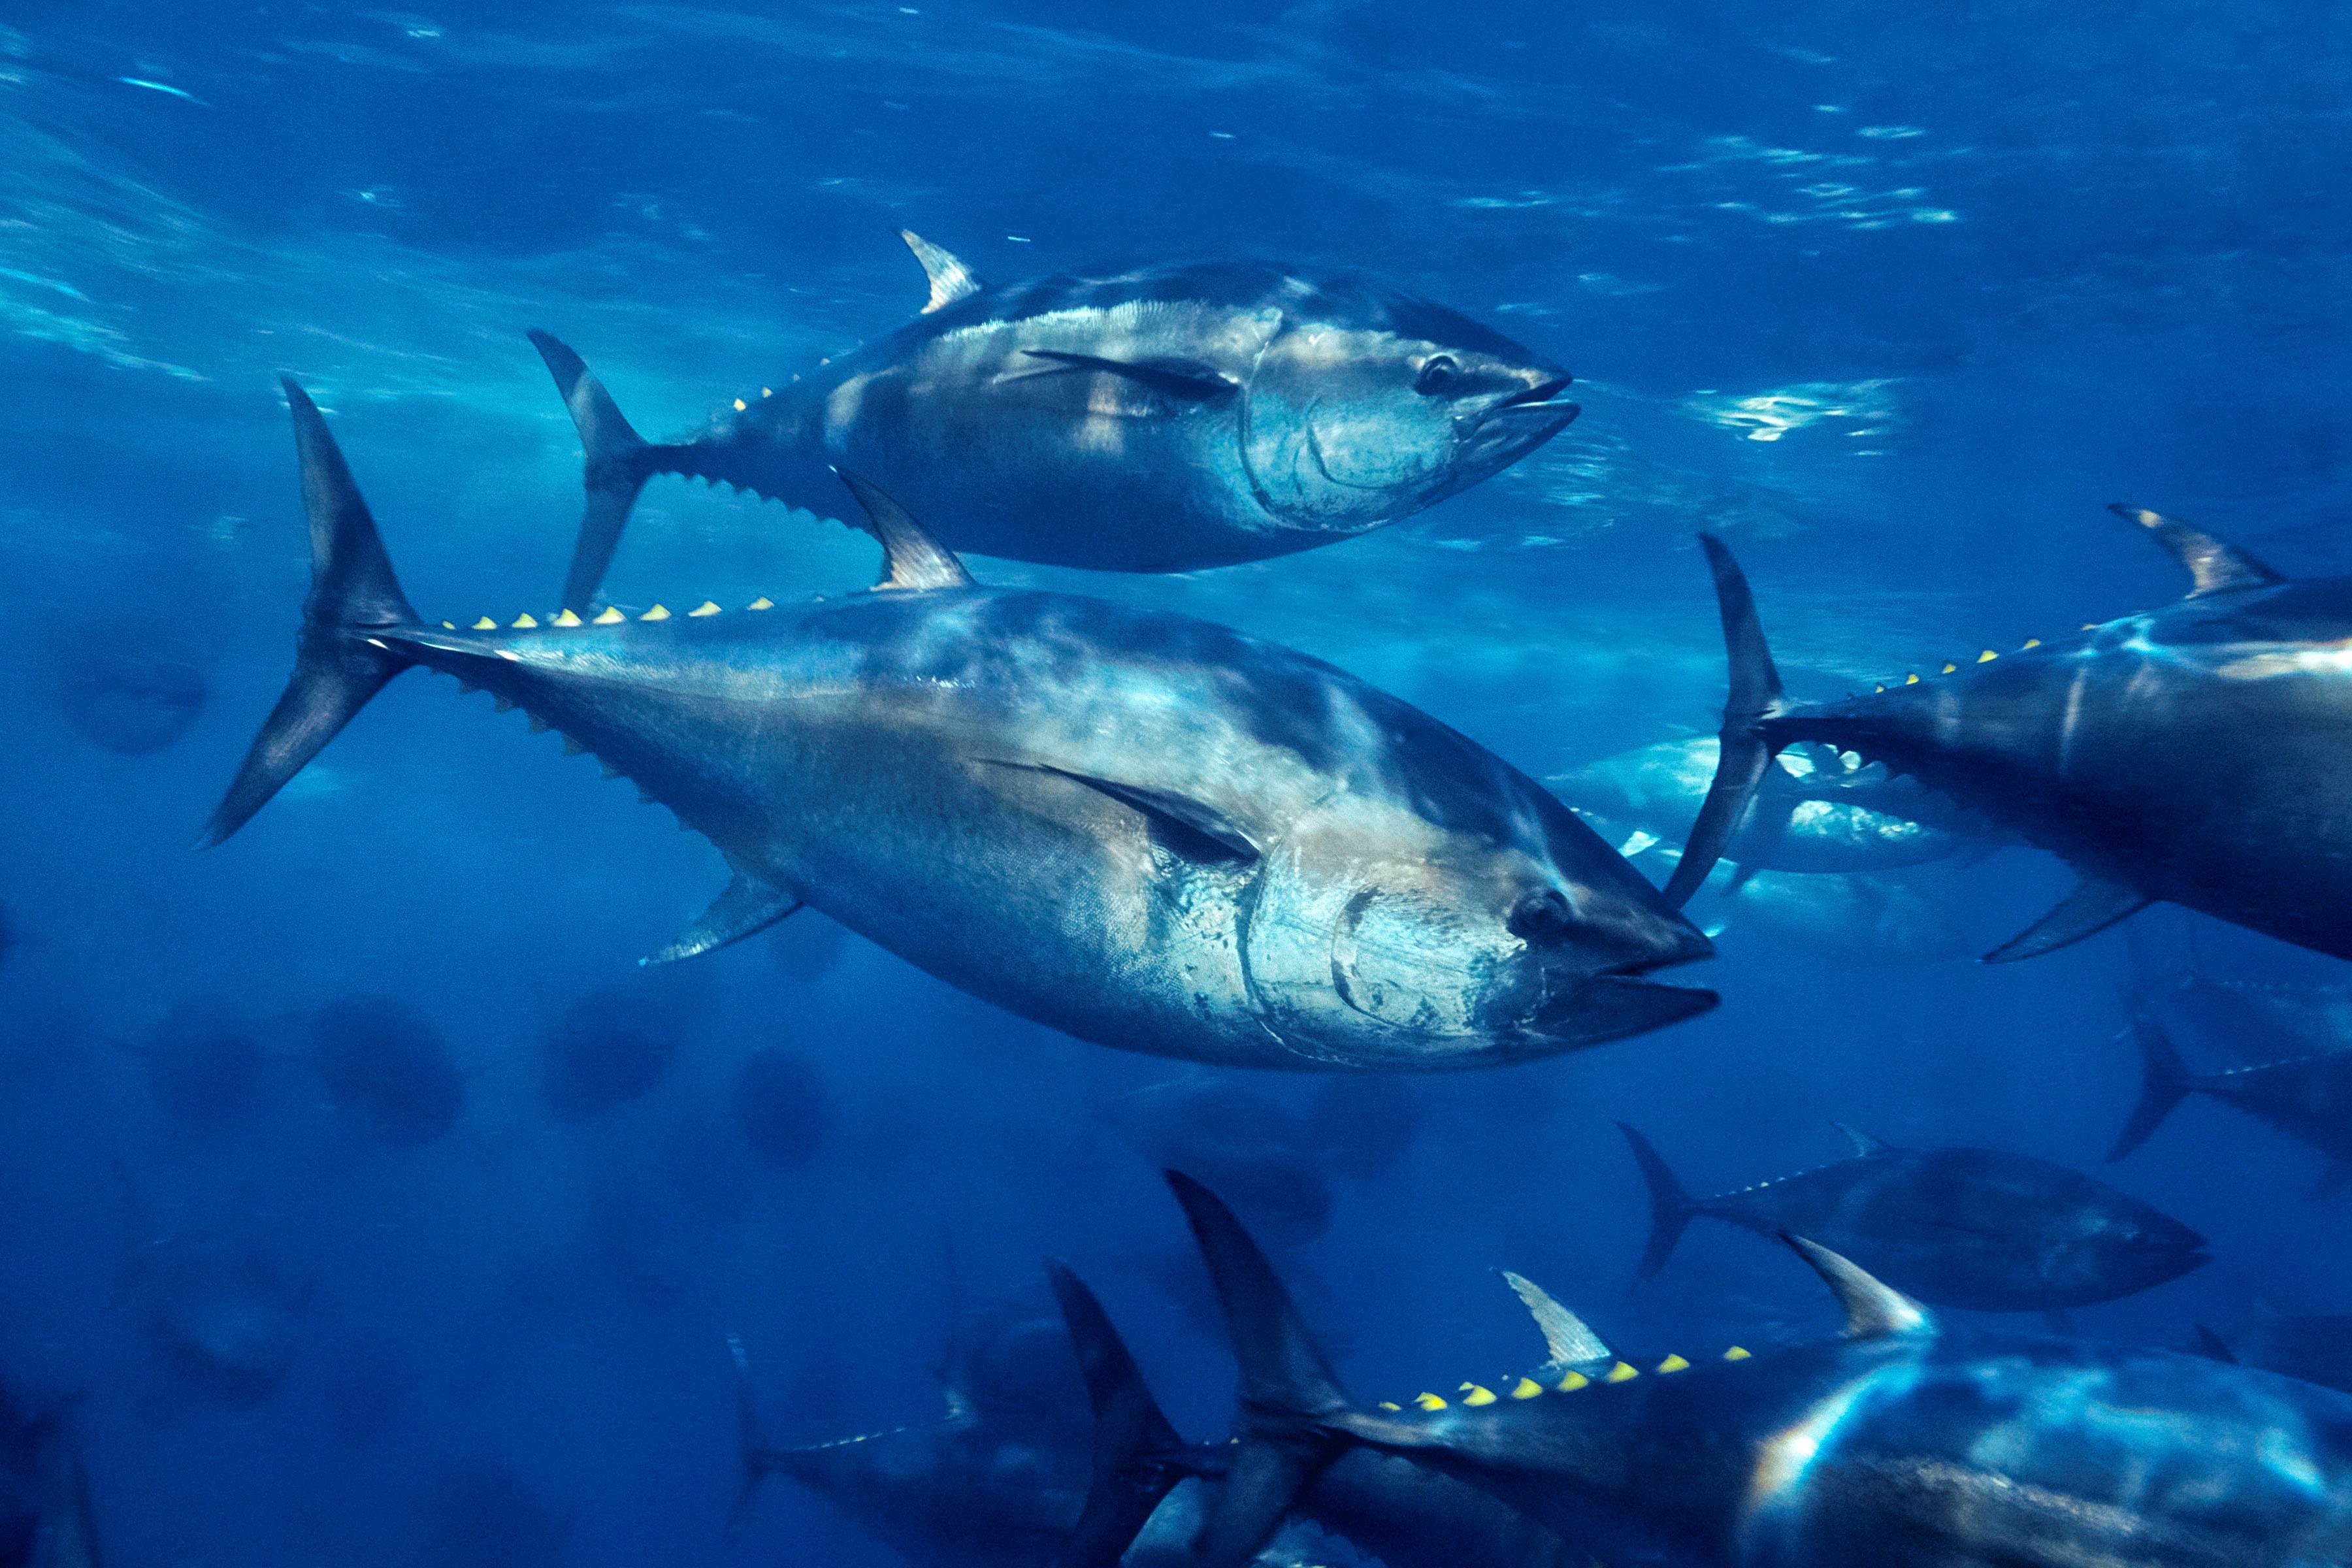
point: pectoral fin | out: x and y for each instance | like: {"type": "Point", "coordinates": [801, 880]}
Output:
{"type": "Point", "coordinates": [2095, 904]}
{"type": "Point", "coordinates": [1198, 828]}
{"type": "Point", "coordinates": [1185, 380]}
{"type": "Point", "coordinates": [748, 907]}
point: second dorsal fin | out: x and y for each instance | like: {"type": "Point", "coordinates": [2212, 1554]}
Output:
{"type": "Point", "coordinates": [1569, 1341]}
{"type": "Point", "coordinates": [911, 558]}
{"type": "Point", "coordinates": [950, 279]}
{"type": "Point", "coordinates": [2213, 566]}
{"type": "Point", "coordinates": [1873, 1309]}
{"type": "Point", "coordinates": [1866, 1144]}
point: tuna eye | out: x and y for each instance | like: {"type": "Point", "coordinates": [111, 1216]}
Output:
{"type": "Point", "coordinates": [1438, 374]}
{"type": "Point", "coordinates": [1538, 916]}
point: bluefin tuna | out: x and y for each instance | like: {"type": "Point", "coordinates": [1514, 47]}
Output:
{"type": "Point", "coordinates": [2194, 753]}
{"type": "Point", "coordinates": [1960, 1227]}
{"type": "Point", "coordinates": [1140, 829]}
{"type": "Point", "coordinates": [2308, 1098]}
{"type": "Point", "coordinates": [1152, 418]}
{"type": "Point", "coordinates": [1902, 1443]}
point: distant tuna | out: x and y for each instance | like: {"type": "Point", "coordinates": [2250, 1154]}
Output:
{"type": "Point", "coordinates": [2309, 1099]}
{"type": "Point", "coordinates": [1150, 418]}
{"type": "Point", "coordinates": [1960, 1227]}
{"type": "Point", "coordinates": [2197, 753]}
{"type": "Point", "coordinates": [1143, 829]}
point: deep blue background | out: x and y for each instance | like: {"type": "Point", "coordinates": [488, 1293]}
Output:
{"type": "Point", "coordinates": [1894, 296]}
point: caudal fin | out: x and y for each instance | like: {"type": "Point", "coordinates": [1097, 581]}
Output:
{"type": "Point", "coordinates": [754, 1456]}
{"type": "Point", "coordinates": [1135, 1448]}
{"type": "Point", "coordinates": [1755, 696]}
{"type": "Point", "coordinates": [1287, 1387]}
{"type": "Point", "coordinates": [2164, 1083]}
{"type": "Point", "coordinates": [1670, 1206]}
{"type": "Point", "coordinates": [615, 463]}
{"type": "Point", "coordinates": [338, 663]}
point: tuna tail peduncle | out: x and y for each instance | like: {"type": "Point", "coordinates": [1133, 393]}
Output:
{"type": "Point", "coordinates": [1135, 1448]}
{"type": "Point", "coordinates": [1291, 1404]}
{"type": "Point", "coordinates": [2165, 1081]}
{"type": "Point", "coordinates": [1671, 1207]}
{"type": "Point", "coordinates": [339, 665]}
{"type": "Point", "coordinates": [615, 463]}
{"type": "Point", "coordinates": [1755, 699]}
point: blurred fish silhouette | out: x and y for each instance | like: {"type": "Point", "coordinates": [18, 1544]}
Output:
{"type": "Point", "coordinates": [126, 685]}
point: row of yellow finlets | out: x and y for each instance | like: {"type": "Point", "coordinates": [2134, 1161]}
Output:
{"type": "Point", "coordinates": [1527, 1387]}
{"type": "Point", "coordinates": [1986, 656]}
{"type": "Point", "coordinates": [610, 618]}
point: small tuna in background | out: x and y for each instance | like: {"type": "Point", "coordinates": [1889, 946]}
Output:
{"type": "Point", "coordinates": [2308, 1098]}
{"type": "Point", "coordinates": [1973, 1228]}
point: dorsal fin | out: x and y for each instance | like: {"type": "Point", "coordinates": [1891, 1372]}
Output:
{"type": "Point", "coordinates": [1569, 1339]}
{"type": "Point", "coordinates": [1865, 1144]}
{"type": "Point", "coordinates": [1873, 1311]}
{"type": "Point", "coordinates": [950, 279]}
{"type": "Point", "coordinates": [911, 559]}
{"type": "Point", "coordinates": [2213, 566]}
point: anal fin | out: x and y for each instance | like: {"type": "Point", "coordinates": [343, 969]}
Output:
{"type": "Point", "coordinates": [749, 906]}
{"type": "Point", "coordinates": [2095, 904]}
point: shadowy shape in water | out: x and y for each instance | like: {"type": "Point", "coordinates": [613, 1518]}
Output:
{"type": "Point", "coordinates": [607, 1049]}
{"type": "Point", "coordinates": [123, 686]}
{"type": "Point", "coordinates": [782, 1108]}
{"type": "Point", "coordinates": [387, 1068]}
{"type": "Point", "coordinates": [202, 1061]}
{"type": "Point", "coordinates": [485, 1515]}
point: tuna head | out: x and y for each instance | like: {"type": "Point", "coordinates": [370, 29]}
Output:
{"type": "Point", "coordinates": [1367, 406]}
{"type": "Point", "coordinates": [1374, 943]}
{"type": "Point", "coordinates": [2115, 1245]}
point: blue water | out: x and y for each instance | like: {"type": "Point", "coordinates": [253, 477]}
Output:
{"type": "Point", "coordinates": [1896, 299]}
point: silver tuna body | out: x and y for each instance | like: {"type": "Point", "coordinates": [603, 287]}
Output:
{"type": "Point", "coordinates": [1133, 418]}
{"type": "Point", "coordinates": [1143, 829]}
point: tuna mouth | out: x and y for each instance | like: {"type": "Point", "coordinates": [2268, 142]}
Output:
{"type": "Point", "coordinates": [1538, 399]}
{"type": "Point", "coordinates": [1615, 1004]}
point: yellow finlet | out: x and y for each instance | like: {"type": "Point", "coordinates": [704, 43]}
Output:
{"type": "Point", "coordinates": [1947, 670]}
{"type": "Point", "coordinates": [1526, 1388]}
{"type": "Point", "coordinates": [2089, 625]}
{"type": "Point", "coordinates": [1428, 1402]}
{"type": "Point", "coordinates": [525, 620]}
{"type": "Point", "coordinates": [1571, 1383]}
{"type": "Point", "coordinates": [1878, 688]}
{"type": "Point", "coordinates": [657, 614]}
{"type": "Point", "coordinates": [767, 391]}
{"type": "Point", "coordinates": [608, 617]}
{"type": "Point", "coordinates": [449, 625]}
{"type": "Point", "coordinates": [1912, 679]}
{"type": "Point", "coordinates": [1620, 1373]}
{"type": "Point", "coordinates": [1674, 1364]}
{"type": "Point", "coordinates": [741, 405]}
{"type": "Point", "coordinates": [486, 625]}
{"type": "Point", "coordinates": [2033, 642]}
{"type": "Point", "coordinates": [566, 619]}
{"type": "Point", "coordinates": [1735, 1353]}
{"type": "Point", "coordinates": [1473, 1393]}
{"type": "Point", "coordinates": [1986, 656]}
{"type": "Point", "coordinates": [705, 608]}
{"type": "Point", "coordinates": [761, 603]}
{"type": "Point", "coordinates": [1390, 1404]}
